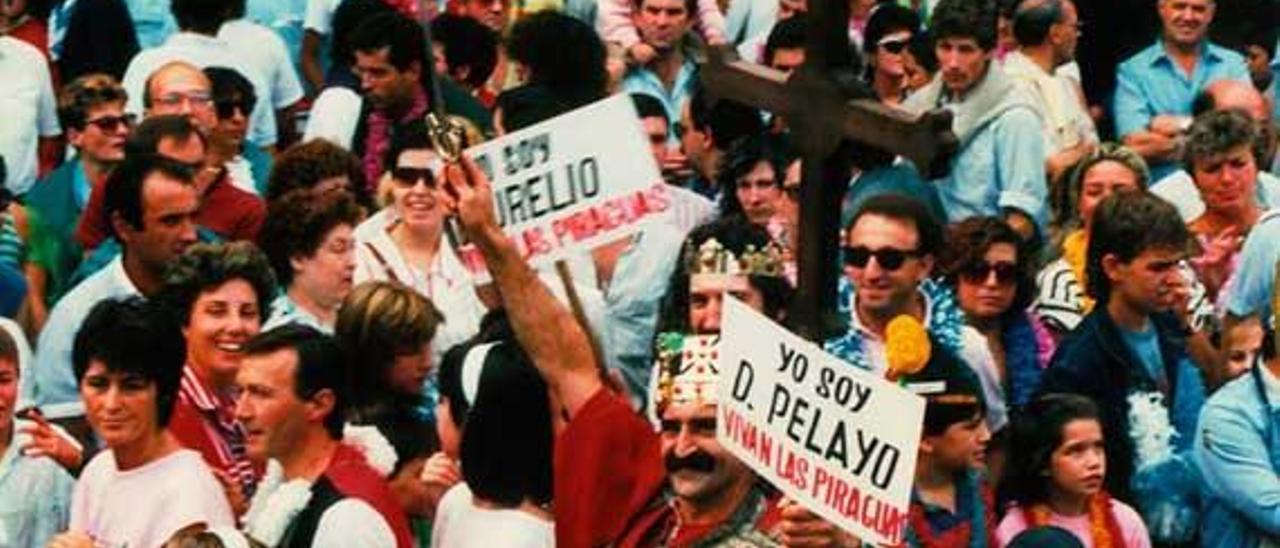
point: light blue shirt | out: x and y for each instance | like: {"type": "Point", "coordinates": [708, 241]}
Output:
{"type": "Point", "coordinates": [55, 389]}
{"type": "Point", "coordinates": [36, 495]}
{"type": "Point", "coordinates": [152, 21]}
{"type": "Point", "coordinates": [633, 299]}
{"type": "Point", "coordinates": [1251, 290]}
{"type": "Point", "coordinates": [1151, 83]}
{"type": "Point", "coordinates": [1237, 448]}
{"type": "Point", "coordinates": [1146, 347]}
{"type": "Point", "coordinates": [1001, 167]}
{"type": "Point", "coordinates": [285, 312]}
{"type": "Point", "coordinates": [643, 80]}
{"type": "Point", "coordinates": [285, 17]}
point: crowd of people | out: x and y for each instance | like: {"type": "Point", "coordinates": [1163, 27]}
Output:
{"type": "Point", "coordinates": [234, 309]}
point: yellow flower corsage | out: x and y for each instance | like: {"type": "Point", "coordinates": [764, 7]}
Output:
{"type": "Point", "coordinates": [907, 346]}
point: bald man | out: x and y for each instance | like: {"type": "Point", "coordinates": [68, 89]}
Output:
{"type": "Point", "coordinates": [1180, 190]}
{"type": "Point", "coordinates": [181, 88]}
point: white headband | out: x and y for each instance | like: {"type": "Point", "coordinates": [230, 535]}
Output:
{"type": "Point", "coordinates": [472, 366]}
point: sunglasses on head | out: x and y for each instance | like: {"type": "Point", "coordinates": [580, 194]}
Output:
{"type": "Point", "coordinates": [227, 109]}
{"type": "Point", "coordinates": [408, 177]}
{"type": "Point", "coordinates": [109, 124]}
{"type": "Point", "coordinates": [978, 273]}
{"type": "Point", "coordinates": [888, 258]}
{"type": "Point", "coordinates": [894, 45]}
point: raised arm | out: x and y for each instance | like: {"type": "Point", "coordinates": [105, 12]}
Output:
{"type": "Point", "coordinates": [547, 331]}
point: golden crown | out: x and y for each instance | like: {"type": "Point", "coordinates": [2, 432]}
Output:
{"type": "Point", "coordinates": [713, 258]}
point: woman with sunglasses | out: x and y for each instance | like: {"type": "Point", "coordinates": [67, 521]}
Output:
{"type": "Point", "coordinates": [991, 271]}
{"type": "Point", "coordinates": [888, 34]}
{"type": "Point", "coordinates": [405, 242]}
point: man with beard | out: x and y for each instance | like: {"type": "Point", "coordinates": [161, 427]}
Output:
{"type": "Point", "coordinates": [611, 470]}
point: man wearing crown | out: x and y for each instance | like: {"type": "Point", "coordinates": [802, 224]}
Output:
{"type": "Point", "coordinates": [617, 482]}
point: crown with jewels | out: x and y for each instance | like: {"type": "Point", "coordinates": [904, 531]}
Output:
{"type": "Point", "coordinates": [713, 259]}
{"type": "Point", "coordinates": [686, 369]}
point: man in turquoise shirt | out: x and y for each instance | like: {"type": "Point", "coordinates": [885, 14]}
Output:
{"type": "Point", "coordinates": [669, 74]}
{"type": "Point", "coordinates": [1155, 88]}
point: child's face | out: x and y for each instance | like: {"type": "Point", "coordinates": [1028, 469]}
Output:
{"type": "Point", "coordinates": [8, 390]}
{"type": "Point", "coordinates": [1079, 464]}
{"type": "Point", "coordinates": [961, 446]}
{"type": "Point", "coordinates": [1241, 343]}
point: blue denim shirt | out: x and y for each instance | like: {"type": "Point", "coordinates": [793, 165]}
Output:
{"type": "Point", "coordinates": [152, 21]}
{"type": "Point", "coordinates": [1001, 167]}
{"type": "Point", "coordinates": [633, 300]}
{"type": "Point", "coordinates": [643, 80]}
{"type": "Point", "coordinates": [1150, 83]}
{"type": "Point", "coordinates": [1255, 277]}
{"type": "Point", "coordinates": [1237, 449]}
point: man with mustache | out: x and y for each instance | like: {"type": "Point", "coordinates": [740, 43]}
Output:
{"type": "Point", "coordinates": [616, 481]}
{"type": "Point", "coordinates": [1156, 87]}
{"type": "Point", "coordinates": [998, 169]}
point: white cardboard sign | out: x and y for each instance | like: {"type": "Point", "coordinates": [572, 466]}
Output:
{"type": "Point", "coordinates": [571, 183]}
{"type": "Point", "coordinates": [839, 440]}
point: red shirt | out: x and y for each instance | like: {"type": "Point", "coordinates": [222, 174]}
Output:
{"type": "Point", "coordinates": [204, 421]}
{"type": "Point", "coordinates": [230, 212]}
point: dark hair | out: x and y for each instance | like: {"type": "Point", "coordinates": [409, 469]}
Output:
{"type": "Point", "coordinates": [507, 442]}
{"type": "Point", "coordinates": [961, 400]}
{"type": "Point", "coordinates": [404, 40]}
{"type": "Point", "coordinates": [974, 19]}
{"type": "Point", "coordinates": [468, 44]}
{"type": "Point", "coordinates": [648, 106]}
{"type": "Point", "coordinates": [86, 93]}
{"type": "Point", "coordinates": [887, 19]}
{"type": "Point", "coordinates": [1218, 132]}
{"type": "Point", "coordinates": [1125, 225]}
{"type": "Point", "coordinates": [319, 366]}
{"type": "Point", "coordinates": [378, 322]}
{"type": "Point", "coordinates": [921, 49]}
{"type": "Point", "coordinates": [132, 336]}
{"type": "Point", "coordinates": [145, 139]}
{"type": "Point", "coordinates": [1035, 434]}
{"type": "Point", "coordinates": [126, 185]}
{"type": "Point", "coordinates": [202, 16]}
{"type": "Point", "coordinates": [410, 136]}
{"type": "Point", "coordinates": [1032, 20]}
{"type": "Point", "coordinates": [929, 233]}
{"type": "Point", "coordinates": [297, 224]}
{"type": "Point", "coordinates": [690, 7]}
{"type": "Point", "coordinates": [350, 16]}
{"type": "Point", "coordinates": [562, 54]}
{"type": "Point", "coordinates": [229, 85]}
{"type": "Point", "coordinates": [738, 161]}
{"type": "Point", "coordinates": [494, 326]}
{"type": "Point", "coordinates": [967, 244]}
{"type": "Point", "coordinates": [788, 33]}
{"type": "Point", "coordinates": [736, 234]}
{"type": "Point", "coordinates": [527, 105]}
{"type": "Point", "coordinates": [205, 267]}
{"type": "Point", "coordinates": [725, 120]}
{"type": "Point", "coordinates": [9, 350]}
{"type": "Point", "coordinates": [304, 165]}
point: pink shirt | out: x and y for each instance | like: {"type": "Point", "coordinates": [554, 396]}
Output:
{"type": "Point", "coordinates": [1131, 526]}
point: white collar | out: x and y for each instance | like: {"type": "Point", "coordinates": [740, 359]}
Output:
{"type": "Point", "coordinates": [855, 321]}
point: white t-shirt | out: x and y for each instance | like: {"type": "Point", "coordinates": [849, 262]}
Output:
{"type": "Point", "coordinates": [264, 48]}
{"type": "Point", "coordinates": [462, 524]}
{"type": "Point", "coordinates": [204, 51]}
{"type": "Point", "coordinates": [28, 110]}
{"type": "Point", "coordinates": [352, 523]}
{"type": "Point", "coordinates": [320, 15]}
{"type": "Point", "coordinates": [145, 506]}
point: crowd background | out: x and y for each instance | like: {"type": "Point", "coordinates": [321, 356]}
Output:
{"type": "Point", "coordinates": [234, 310]}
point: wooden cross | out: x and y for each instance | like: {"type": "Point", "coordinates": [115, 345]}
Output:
{"type": "Point", "coordinates": [833, 120]}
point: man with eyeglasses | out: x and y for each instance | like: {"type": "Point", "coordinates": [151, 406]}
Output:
{"type": "Point", "coordinates": [1047, 32]}
{"type": "Point", "coordinates": [998, 169]}
{"type": "Point", "coordinates": [91, 109]}
{"type": "Point", "coordinates": [28, 117]}
{"type": "Point", "coordinates": [891, 246]}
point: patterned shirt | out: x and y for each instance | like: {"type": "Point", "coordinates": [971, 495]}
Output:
{"type": "Point", "coordinates": [204, 420]}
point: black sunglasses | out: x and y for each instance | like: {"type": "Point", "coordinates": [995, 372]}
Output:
{"type": "Point", "coordinates": [227, 109]}
{"type": "Point", "coordinates": [407, 177]}
{"type": "Point", "coordinates": [109, 124]}
{"type": "Point", "coordinates": [888, 258]}
{"type": "Point", "coordinates": [894, 46]}
{"type": "Point", "coordinates": [978, 273]}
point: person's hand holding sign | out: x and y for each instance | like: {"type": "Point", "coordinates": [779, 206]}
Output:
{"type": "Point", "coordinates": [801, 528]}
{"type": "Point", "coordinates": [469, 195]}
